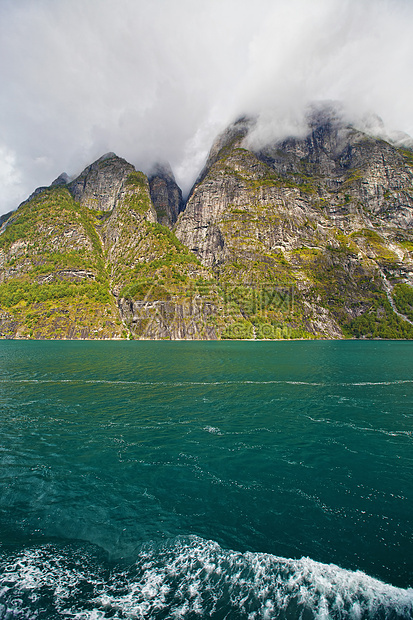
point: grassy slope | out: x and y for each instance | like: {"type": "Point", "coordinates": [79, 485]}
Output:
{"type": "Point", "coordinates": [55, 283]}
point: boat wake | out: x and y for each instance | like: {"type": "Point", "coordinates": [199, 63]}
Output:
{"type": "Point", "coordinates": [187, 577]}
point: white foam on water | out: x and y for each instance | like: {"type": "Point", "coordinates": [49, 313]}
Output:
{"type": "Point", "coordinates": [189, 577]}
{"type": "Point", "coordinates": [212, 429]}
{"type": "Point", "coordinates": [396, 382]}
{"type": "Point", "coordinates": [206, 383]}
{"type": "Point", "coordinates": [364, 429]}
{"type": "Point", "coordinates": [165, 383]}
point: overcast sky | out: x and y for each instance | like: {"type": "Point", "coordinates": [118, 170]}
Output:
{"type": "Point", "coordinates": [157, 79]}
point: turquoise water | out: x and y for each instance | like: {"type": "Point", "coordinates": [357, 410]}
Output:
{"type": "Point", "coordinates": [214, 479]}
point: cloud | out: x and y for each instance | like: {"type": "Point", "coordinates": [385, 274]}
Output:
{"type": "Point", "coordinates": [357, 53]}
{"type": "Point", "coordinates": [10, 177]}
{"type": "Point", "coordinates": [155, 79]}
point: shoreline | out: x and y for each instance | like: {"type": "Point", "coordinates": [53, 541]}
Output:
{"type": "Point", "coordinates": [204, 340]}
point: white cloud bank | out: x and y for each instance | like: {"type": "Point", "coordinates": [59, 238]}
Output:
{"type": "Point", "coordinates": [157, 79]}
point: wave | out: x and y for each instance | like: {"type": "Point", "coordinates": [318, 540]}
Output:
{"type": "Point", "coordinates": [197, 383]}
{"type": "Point", "coordinates": [188, 578]}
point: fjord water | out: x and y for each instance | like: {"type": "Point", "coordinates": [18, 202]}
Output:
{"type": "Point", "coordinates": [206, 479]}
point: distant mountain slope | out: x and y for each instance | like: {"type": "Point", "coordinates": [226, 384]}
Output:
{"type": "Point", "coordinates": [307, 237]}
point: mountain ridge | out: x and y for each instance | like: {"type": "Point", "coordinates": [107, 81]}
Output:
{"type": "Point", "coordinates": [304, 237]}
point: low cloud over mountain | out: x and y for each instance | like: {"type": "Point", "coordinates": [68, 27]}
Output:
{"type": "Point", "coordinates": [157, 80]}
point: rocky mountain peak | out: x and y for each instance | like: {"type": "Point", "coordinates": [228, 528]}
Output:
{"type": "Point", "coordinates": [231, 137]}
{"type": "Point", "coordinates": [62, 179]}
{"type": "Point", "coordinates": [166, 194]}
{"type": "Point", "coordinates": [99, 186]}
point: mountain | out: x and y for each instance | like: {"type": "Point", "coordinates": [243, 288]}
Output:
{"type": "Point", "coordinates": [301, 238]}
{"type": "Point", "coordinates": [166, 195]}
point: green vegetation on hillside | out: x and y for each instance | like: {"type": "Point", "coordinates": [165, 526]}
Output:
{"type": "Point", "coordinates": [403, 298]}
{"type": "Point", "coordinates": [55, 282]}
{"type": "Point", "coordinates": [295, 252]}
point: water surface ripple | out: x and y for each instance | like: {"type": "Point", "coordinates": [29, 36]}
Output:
{"type": "Point", "coordinates": [215, 479]}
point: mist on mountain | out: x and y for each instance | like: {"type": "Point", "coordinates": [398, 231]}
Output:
{"type": "Point", "coordinates": [158, 80]}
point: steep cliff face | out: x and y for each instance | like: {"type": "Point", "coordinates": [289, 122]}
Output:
{"type": "Point", "coordinates": [153, 277]}
{"type": "Point", "coordinates": [309, 237]}
{"type": "Point", "coordinates": [166, 195]}
{"type": "Point", "coordinates": [331, 214]}
{"type": "Point", "coordinates": [100, 185]}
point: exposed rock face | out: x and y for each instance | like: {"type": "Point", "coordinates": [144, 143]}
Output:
{"type": "Point", "coordinates": [166, 195]}
{"type": "Point", "coordinates": [337, 177]}
{"type": "Point", "coordinates": [62, 179]}
{"type": "Point", "coordinates": [330, 213]}
{"type": "Point", "coordinates": [308, 237]}
{"type": "Point", "coordinates": [160, 320]}
{"type": "Point", "coordinates": [121, 231]}
{"type": "Point", "coordinates": [372, 176]}
{"type": "Point", "coordinates": [142, 258]}
{"type": "Point", "coordinates": [100, 185]}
